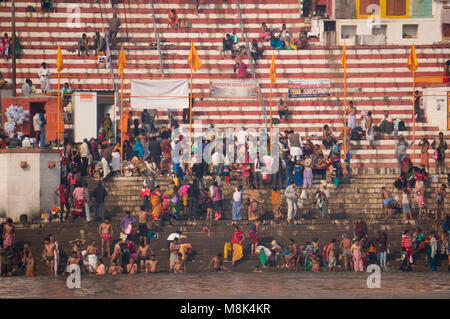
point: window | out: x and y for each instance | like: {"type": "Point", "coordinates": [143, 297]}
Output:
{"type": "Point", "coordinates": [409, 31]}
{"type": "Point", "coordinates": [348, 31]}
{"type": "Point", "coordinates": [393, 9]}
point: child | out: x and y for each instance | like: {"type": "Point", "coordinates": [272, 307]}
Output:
{"type": "Point", "coordinates": [421, 202]}
{"type": "Point", "coordinates": [347, 165]}
{"type": "Point", "coordinates": [276, 203]}
{"type": "Point", "coordinates": [404, 266]}
{"type": "Point", "coordinates": [406, 206]}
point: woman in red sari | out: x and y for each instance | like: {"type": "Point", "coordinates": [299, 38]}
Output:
{"type": "Point", "coordinates": [236, 242]}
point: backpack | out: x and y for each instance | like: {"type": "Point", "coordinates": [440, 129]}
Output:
{"type": "Point", "coordinates": [401, 126]}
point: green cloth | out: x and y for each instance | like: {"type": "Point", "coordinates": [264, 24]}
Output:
{"type": "Point", "coordinates": [262, 257]}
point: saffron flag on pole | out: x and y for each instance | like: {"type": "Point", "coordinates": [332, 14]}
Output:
{"type": "Point", "coordinates": [59, 60]}
{"type": "Point", "coordinates": [412, 60]}
{"type": "Point", "coordinates": [273, 70]}
{"type": "Point", "coordinates": [121, 61]}
{"type": "Point", "coordinates": [193, 59]}
{"type": "Point", "coordinates": [343, 58]}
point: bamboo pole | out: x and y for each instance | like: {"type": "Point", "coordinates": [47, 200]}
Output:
{"type": "Point", "coordinates": [121, 124]}
{"type": "Point", "coordinates": [414, 118]}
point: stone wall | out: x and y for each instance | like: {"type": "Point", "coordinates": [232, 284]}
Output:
{"type": "Point", "coordinates": [28, 190]}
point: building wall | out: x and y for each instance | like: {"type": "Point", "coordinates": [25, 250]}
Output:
{"type": "Point", "coordinates": [27, 190]}
{"type": "Point", "coordinates": [435, 105]}
{"type": "Point", "coordinates": [429, 28]}
{"type": "Point", "coordinates": [51, 109]}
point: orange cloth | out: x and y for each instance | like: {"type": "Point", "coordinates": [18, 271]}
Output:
{"type": "Point", "coordinates": [29, 273]}
{"type": "Point", "coordinates": [156, 204]}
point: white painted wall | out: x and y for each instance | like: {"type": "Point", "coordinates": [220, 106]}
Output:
{"type": "Point", "coordinates": [432, 99]}
{"type": "Point", "coordinates": [429, 30]}
{"type": "Point", "coordinates": [28, 191]}
{"type": "Point", "coordinates": [85, 116]}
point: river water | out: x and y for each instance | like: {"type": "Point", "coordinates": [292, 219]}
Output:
{"type": "Point", "coordinates": [276, 285]}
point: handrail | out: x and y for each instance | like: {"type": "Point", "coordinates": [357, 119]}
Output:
{"type": "Point", "coordinates": [158, 44]}
{"type": "Point", "coordinates": [245, 36]}
{"type": "Point", "coordinates": [101, 16]}
{"type": "Point", "coordinates": [252, 66]}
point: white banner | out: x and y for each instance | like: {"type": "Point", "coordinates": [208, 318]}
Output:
{"type": "Point", "coordinates": [160, 94]}
{"type": "Point", "coordinates": [84, 115]}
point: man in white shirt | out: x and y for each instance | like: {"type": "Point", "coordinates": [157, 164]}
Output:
{"type": "Point", "coordinates": [37, 128]}
{"type": "Point", "coordinates": [291, 198]}
{"type": "Point", "coordinates": [295, 143]}
{"type": "Point", "coordinates": [242, 136]}
{"type": "Point", "coordinates": [44, 74]}
{"type": "Point", "coordinates": [84, 153]}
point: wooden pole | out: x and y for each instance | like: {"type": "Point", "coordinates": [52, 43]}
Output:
{"type": "Point", "coordinates": [270, 137]}
{"type": "Point", "coordinates": [345, 110]}
{"type": "Point", "coordinates": [414, 118]}
{"type": "Point", "coordinates": [13, 48]}
{"type": "Point", "coordinates": [59, 106]}
{"type": "Point", "coordinates": [190, 123]}
{"type": "Point", "coordinates": [121, 124]}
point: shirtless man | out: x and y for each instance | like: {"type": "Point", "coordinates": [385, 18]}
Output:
{"type": "Point", "coordinates": [351, 116]}
{"type": "Point", "coordinates": [49, 256]}
{"type": "Point", "coordinates": [345, 246]}
{"type": "Point", "coordinates": [105, 231]}
{"type": "Point", "coordinates": [91, 249]}
{"type": "Point", "coordinates": [331, 256]}
{"type": "Point", "coordinates": [370, 134]}
{"type": "Point", "coordinates": [117, 252]}
{"type": "Point", "coordinates": [100, 269]}
{"type": "Point", "coordinates": [388, 202]}
{"type": "Point", "coordinates": [9, 233]}
{"type": "Point", "coordinates": [115, 269]}
{"type": "Point", "coordinates": [143, 254]}
{"type": "Point", "coordinates": [76, 245]}
{"type": "Point", "coordinates": [179, 265]}
{"type": "Point", "coordinates": [292, 248]}
{"type": "Point", "coordinates": [72, 260]}
{"type": "Point", "coordinates": [152, 265]}
{"type": "Point", "coordinates": [216, 264]}
{"type": "Point", "coordinates": [142, 220]}
{"type": "Point", "coordinates": [132, 267]}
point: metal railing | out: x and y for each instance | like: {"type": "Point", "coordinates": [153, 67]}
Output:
{"type": "Point", "coordinates": [252, 66]}
{"type": "Point", "coordinates": [158, 43]}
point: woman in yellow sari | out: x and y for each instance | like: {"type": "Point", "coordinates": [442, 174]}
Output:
{"type": "Point", "coordinates": [254, 201]}
{"type": "Point", "coordinates": [236, 243]}
{"type": "Point", "coordinates": [156, 204]}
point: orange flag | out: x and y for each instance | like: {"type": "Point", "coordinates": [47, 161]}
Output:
{"type": "Point", "coordinates": [193, 59]}
{"type": "Point", "coordinates": [412, 60]}
{"type": "Point", "coordinates": [344, 58]}
{"type": "Point", "coordinates": [273, 70]}
{"type": "Point", "coordinates": [59, 60]}
{"type": "Point", "coordinates": [122, 61]}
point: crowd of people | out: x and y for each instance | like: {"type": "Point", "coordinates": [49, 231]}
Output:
{"type": "Point", "coordinates": [132, 251]}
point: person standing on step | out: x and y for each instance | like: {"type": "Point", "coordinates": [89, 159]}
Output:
{"type": "Point", "coordinates": [417, 102]}
{"type": "Point", "coordinates": [424, 158]}
{"type": "Point", "coordinates": [174, 247]}
{"type": "Point", "coordinates": [237, 204]}
{"type": "Point", "coordinates": [382, 249]}
{"type": "Point", "coordinates": [114, 24]}
{"type": "Point", "coordinates": [106, 232]}
{"type": "Point", "coordinates": [388, 202]}
{"type": "Point", "coordinates": [9, 234]}
{"type": "Point", "coordinates": [351, 112]}
{"type": "Point", "coordinates": [400, 150]}
{"type": "Point", "coordinates": [291, 198]}
{"type": "Point", "coordinates": [99, 195]}
{"type": "Point", "coordinates": [370, 132]}
{"type": "Point", "coordinates": [357, 256]}
{"type": "Point", "coordinates": [193, 204]}
{"type": "Point", "coordinates": [84, 154]}
{"type": "Point", "coordinates": [345, 246]}
{"type": "Point", "coordinates": [44, 78]}
{"type": "Point", "coordinates": [440, 145]}
{"type": "Point", "coordinates": [360, 230]}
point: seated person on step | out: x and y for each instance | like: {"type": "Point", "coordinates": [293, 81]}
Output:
{"type": "Point", "coordinates": [83, 45]}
